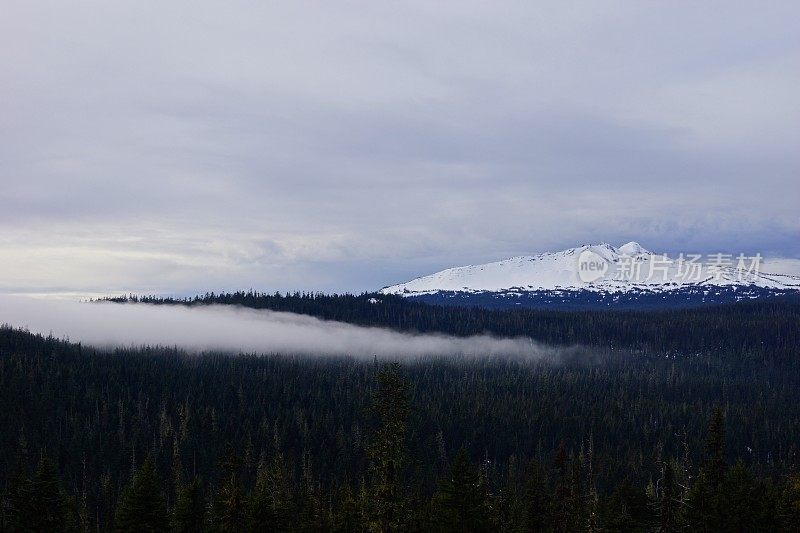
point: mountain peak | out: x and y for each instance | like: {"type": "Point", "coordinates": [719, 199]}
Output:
{"type": "Point", "coordinates": [633, 248]}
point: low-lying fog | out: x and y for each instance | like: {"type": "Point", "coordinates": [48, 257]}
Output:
{"type": "Point", "coordinates": [235, 329]}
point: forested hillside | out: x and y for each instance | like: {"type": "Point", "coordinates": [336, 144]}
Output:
{"type": "Point", "coordinates": [700, 434]}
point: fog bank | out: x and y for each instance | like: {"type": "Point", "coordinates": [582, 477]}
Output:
{"type": "Point", "coordinates": [236, 329]}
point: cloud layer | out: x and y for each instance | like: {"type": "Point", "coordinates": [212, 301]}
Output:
{"type": "Point", "coordinates": [303, 145]}
{"type": "Point", "coordinates": [230, 329]}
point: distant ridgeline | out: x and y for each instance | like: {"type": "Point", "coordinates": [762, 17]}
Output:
{"type": "Point", "coordinates": [577, 299]}
{"type": "Point", "coordinates": [762, 328]}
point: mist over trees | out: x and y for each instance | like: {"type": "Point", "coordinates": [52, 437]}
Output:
{"type": "Point", "coordinates": [759, 329]}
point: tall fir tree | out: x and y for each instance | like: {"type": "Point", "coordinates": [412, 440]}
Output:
{"type": "Point", "coordinates": [228, 510]}
{"type": "Point", "coordinates": [387, 450]}
{"type": "Point", "coordinates": [142, 507]}
{"type": "Point", "coordinates": [39, 504]}
{"type": "Point", "coordinates": [461, 501]}
{"type": "Point", "coordinates": [668, 504]}
{"type": "Point", "coordinates": [190, 508]}
{"type": "Point", "coordinates": [704, 506]}
{"type": "Point", "coordinates": [538, 500]}
{"type": "Point", "coordinates": [789, 504]}
{"type": "Point", "coordinates": [714, 465]}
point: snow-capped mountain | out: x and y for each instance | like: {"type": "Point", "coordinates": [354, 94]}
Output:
{"type": "Point", "coordinates": [602, 274]}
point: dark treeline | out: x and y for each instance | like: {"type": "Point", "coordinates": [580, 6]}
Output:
{"type": "Point", "coordinates": [154, 439]}
{"type": "Point", "coordinates": [760, 329]}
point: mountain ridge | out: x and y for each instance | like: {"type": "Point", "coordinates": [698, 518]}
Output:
{"type": "Point", "coordinates": [601, 274]}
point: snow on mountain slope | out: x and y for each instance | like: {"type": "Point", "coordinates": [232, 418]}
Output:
{"type": "Point", "coordinates": [604, 268]}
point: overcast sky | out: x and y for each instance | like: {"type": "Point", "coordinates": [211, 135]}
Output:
{"type": "Point", "coordinates": [176, 147]}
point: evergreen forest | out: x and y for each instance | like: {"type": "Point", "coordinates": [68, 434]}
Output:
{"type": "Point", "coordinates": [676, 420]}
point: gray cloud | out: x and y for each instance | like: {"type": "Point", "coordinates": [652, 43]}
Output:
{"type": "Point", "coordinates": [231, 329]}
{"type": "Point", "coordinates": [192, 146]}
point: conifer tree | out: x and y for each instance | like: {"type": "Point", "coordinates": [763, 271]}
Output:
{"type": "Point", "coordinates": [39, 504]}
{"type": "Point", "coordinates": [142, 507]}
{"type": "Point", "coordinates": [737, 503]}
{"type": "Point", "coordinates": [279, 485]}
{"type": "Point", "coordinates": [461, 502]}
{"type": "Point", "coordinates": [789, 505]}
{"type": "Point", "coordinates": [702, 507]}
{"type": "Point", "coordinates": [668, 500]}
{"type": "Point", "coordinates": [703, 511]}
{"type": "Point", "coordinates": [714, 465]}
{"type": "Point", "coordinates": [387, 450]}
{"type": "Point", "coordinates": [569, 502]}
{"type": "Point", "coordinates": [16, 508]}
{"type": "Point", "coordinates": [538, 501]}
{"type": "Point", "coordinates": [260, 513]}
{"type": "Point", "coordinates": [347, 515]}
{"type": "Point", "coordinates": [228, 511]}
{"type": "Point", "coordinates": [189, 513]}
{"type": "Point", "coordinates": [48, 502]}
{"type": "Point", "coordinates": [626, 508]}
